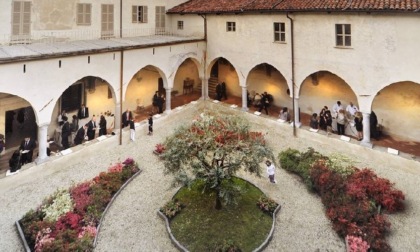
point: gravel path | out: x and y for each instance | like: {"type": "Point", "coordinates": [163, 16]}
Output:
{"type": "Point", "coordinates": [133, 225]}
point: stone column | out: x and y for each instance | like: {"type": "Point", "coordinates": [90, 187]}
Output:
{"type": "Point", "coordinates": [42, 144]}
{"type": "Point", "coordinates": [244, 99]}
{"type": "Point", "coordinates": [204, 88]}
{"type": "Point", "coordinates": [366, 131]}
{"type": "Point", "coordinates": [168, 100]}
{"type": "Point", "coordinates": [296, 113]}
{"type": "Point", "coordinates": [117, 115]}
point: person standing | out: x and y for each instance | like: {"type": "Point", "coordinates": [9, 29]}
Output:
{"type": "Point", "coordinates": [65, 133]}
{"type": "Point", "coordinates": [155, 101]}
{"type": "Point", "coordinates": [126, 117]}
{"type": "Point", "coordinates": [27, 147]}
{"type": "Point", "coordinates": [102, 126]}
{"type": "Point", "coordinates": [21, 117]}
{"type": "Point", "coordinates": [341, 121]}
{"type": "Point", "coordinates": [83, 112]}
{"type": "Point", "coordinates": [218, 91]}
{"type": "Point", "coordinates": [2, 144]}
{"type": "Point", "coordinates": [265, 103]}
{"type": "Point", "coordinates": [91, 128]}
{"type": "Point", "coordinates": [358, 122]}
{"type": "Point", "coordinates": [132, 130]}
{"type": "Point", "coordinates": [80, 135]}
{"type": "Point", "coordinates": [150, 124]}
{"type": "Point", "coordinates": [160, 102]}
{"type": "Point", "coordinates": [271, 169]}
{"type": "Point", "coordinates": [224, 94]}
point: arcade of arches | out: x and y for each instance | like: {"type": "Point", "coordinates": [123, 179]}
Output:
{"type": "Point", "coordinates": [395, 104]}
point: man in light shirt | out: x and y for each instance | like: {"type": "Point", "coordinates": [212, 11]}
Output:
{"type": "Point", "coordinates": [337, 108]}
{"type": "Point", "coordinates": [351, 109]}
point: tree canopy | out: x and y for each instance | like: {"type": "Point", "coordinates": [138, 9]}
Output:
{"type": "Point", "coordinates": [214, 148]}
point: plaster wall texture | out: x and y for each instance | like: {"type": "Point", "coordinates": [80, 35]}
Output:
{"type": "Point", "coordinates": [188, 69]}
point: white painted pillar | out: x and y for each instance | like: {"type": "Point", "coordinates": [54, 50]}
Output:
{"type": "Point", "coordinates": [366, 130]}
{"type": "Point", "coordinates": [117, 115]}
{"type": "Point", "coordinates": [296, 116]}
{"type": "Point", "coordinates": [42, 144]}
{"type": "Point", "coordinates": [168, 100]}
{"type": "Point", "coordinates": [204, 88]}
{"type": "Point", "coordinates": [244, 99]}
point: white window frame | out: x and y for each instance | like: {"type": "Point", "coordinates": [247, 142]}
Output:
{"type": "Point", "coordinates": [279, 29]}
{"type": "Point", "coordinates": [84, 14]}
{"type": "Point", "coordinates": [139, 14]}
{"type": "Point", "coordinates": [230, 26]}
{"type": "Point", "coordinates": [180, 25]}
{"type": "Point", "coordinates": [343, 35]}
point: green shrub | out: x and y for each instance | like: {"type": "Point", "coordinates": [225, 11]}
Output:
{"type": "Point", "coordinates": [300, 162]}
{"type": "Point", "coordinates": [172, 208]}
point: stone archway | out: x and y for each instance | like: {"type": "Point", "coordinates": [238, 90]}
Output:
{"type": "Point", "coordinates": [221, 70]}
{"type": "Point", "coordinates": [187, 83]}
{"type": "Point", "coordinates": [396, 107]}
{"type": "Point", "coordinates": [141, 89]}
{"type": "Point", "coordinates": [266, 78]}
{"type": "Point", "coordinates": [321, 89]}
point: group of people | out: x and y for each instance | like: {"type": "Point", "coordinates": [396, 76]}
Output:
{"type": "Point", "coordinates": [23, 155]}
{"type": "Point", "coordinates": [342, 116]}
{"type": "Point", "coordinates": [86, 131]}
{"type": "Point", "coordinates": [158, 101]}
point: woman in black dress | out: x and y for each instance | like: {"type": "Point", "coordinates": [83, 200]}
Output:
{"type": "Point", "coordinates": [358, 122]}
{"type": "Point", "coordinates": [102, 126]}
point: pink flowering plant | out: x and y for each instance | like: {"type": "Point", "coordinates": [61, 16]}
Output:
{"type": "Point", "coordinates": [68, 220]}
{"type": "Point", "coordinates": [356, 244]}
{"type": "Point", "coordinates": [267, 205]}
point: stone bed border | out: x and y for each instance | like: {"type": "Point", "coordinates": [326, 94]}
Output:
{"type": "Point", "coordinates": [177, 244]}
{"type": "Point", "coordinates": [22, 236]}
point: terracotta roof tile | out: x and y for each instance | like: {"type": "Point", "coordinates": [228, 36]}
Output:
{"type": "Point", "coordinates": [235, 6]}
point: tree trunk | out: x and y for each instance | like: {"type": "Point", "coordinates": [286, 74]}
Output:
{"type": "Point", "coordinates": [218, 199]}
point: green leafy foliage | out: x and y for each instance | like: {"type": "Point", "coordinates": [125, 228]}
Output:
{"type": "Point", "coordinates": [214, 148]}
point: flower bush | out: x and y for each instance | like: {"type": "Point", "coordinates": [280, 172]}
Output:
{"type": "Point", "coordinates": [267, 205]}
{"type": "Point", "coordinates": [353, 199]}
{"type": "Point", "coordinates": [172, 208]}
{"type": "Point", "coordinates": [68, 220]}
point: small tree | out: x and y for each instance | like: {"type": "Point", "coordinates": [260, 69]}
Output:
{"type": "Point", "coordinates": [214, 148]}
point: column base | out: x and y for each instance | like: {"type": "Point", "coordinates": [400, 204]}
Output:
{"type": "Point", "coordinates": [245, 109]}
{"type": "Point", "coordinates": [366, 144]}
{"type": "Point", "coordinates": [39, 160]}
{"type": "Point", "coordinates": [298, 124]}
{"type": "Point", "coordinates": [167, 112]}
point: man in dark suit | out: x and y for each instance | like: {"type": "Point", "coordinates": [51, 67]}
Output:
{"type": "Point", "coordinates": [127, 116]}
{"type": "Point", "coordinates": [27, 147]}
{"type": "Point", "coordinates": [80, 135]}
{"type": "Point", "coordinates": [91, 128]}
{"type": "Point", "coordinates": [83, 112]}
{"type": "Point", "coordinates": [65, 133]}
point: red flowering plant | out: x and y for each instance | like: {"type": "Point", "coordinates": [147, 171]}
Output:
{"type": "Point", "coordinates": [68, 220]}
{"type": "Point", "coordinates": [353, 199]}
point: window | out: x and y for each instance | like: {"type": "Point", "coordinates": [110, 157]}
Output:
{"type": "Point", "coordinates": [139, 14]}
{"type": "Point", "coordinates": [279, 32]}
{"type": "Point", "coordinates": [230, 26]}
{"type": "Point", "coordinates": [83, 14]}
{"type": "Point", "coordinates": [21, 21]}
{"type": "Point", "coordinates": [343, 35]}
{"type": "Point", "coordinates": [107, 20]}
{"type": "Point", "coordinates": [180, 25]}
{"type": "Point", "coordinates": [160, 19]}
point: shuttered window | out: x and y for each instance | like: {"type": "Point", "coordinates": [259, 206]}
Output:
{"type": "Point", "coordinates": [21, 20]}
{"type": "Point", "coordinates": [84, 13]}
{"type": "Point", "coordinates": [107, 20]}
{"type": "Point", "coordinates": [160, 19]}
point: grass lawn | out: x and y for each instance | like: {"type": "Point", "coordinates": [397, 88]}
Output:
{"type": "Point", "coordinates": [200, 227]}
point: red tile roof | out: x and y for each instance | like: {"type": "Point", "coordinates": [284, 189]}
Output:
{"type": "Point", "coordinates": [238, 6]}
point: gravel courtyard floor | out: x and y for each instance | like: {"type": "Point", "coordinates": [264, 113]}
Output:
{"type": "Point", "coordinates": [133, 225]}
